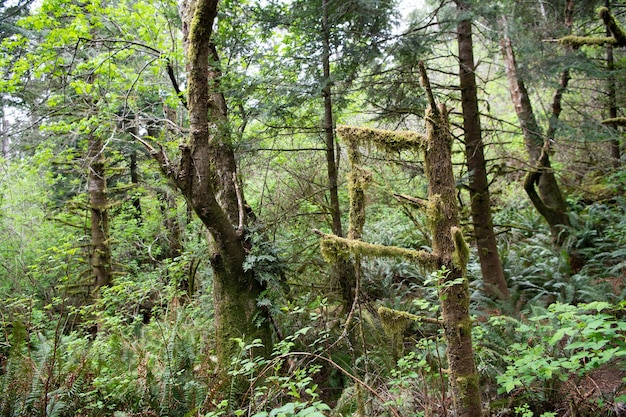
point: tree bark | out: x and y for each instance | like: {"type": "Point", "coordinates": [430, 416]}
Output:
{"type": "Point", "coordinates": [490, 264]}
{"type": "Point", "coordinates": [540, 183]}
{"type": "Point", "coordinates": [612, 94]}
{"type": "Point", "coordinates": [343, 270]}
{"type": "Point", "coordinates": [206, 175]}
{"type": "Point", "coordinates": [448, 246]}
{"type": "Point", "coordinates": [98, 206]}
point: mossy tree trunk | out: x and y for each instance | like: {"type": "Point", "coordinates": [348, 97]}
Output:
{"type": "Point", "coordinates": [490, 264]}
{"type": "Point", "coordinates": [98, 207]}
{"type": "Point", "coordinates": [206, 175]}
{"type": "Point", "coordinates": [612, 92]}
{"type": "Point", "coordinates": [452, 254]}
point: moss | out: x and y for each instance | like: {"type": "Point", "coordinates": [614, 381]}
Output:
{"type": "Point", "coordinates": [358, 181]}
{"type": "Point", "coordinates": [360, 177]}
{"type": "Point", "coordinates": [618, 38]}
{"type": "Point", "coordinates": [394, 321]}
{"type": "Point", "coordinates": [616, 121]}
{"type": "Point", "coordinates": [334, 247]}
{"type": "Point", "coordinates": [578, 41]}
{"type": "Point", "coordinates": [433, 209]}
{"type": "Point", "coordinates": [461, 250]}
{"type": "Point", "coordinates": [611, 24]}
{"type": "Point", "coordinates": [333, 250]}
{"type": "Point", "coordinates": [386, 140]}
{"type": "Point", "coordinates": [467, 383]}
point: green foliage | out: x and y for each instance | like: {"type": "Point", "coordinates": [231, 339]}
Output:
{"type": "Point", "coordinates": [99, 68]}
{"type": "Point", "coordinates": [165, 366]}
{"type": "Point", "coordinates": [564, 342]}
{"type": "Point", "coordinates": [598, 243]}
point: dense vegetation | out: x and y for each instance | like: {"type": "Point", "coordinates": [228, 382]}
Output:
{"type": "Point", "coordinates": [186, 231]}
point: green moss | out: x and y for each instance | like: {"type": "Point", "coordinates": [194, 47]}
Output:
{"type": "Point", "coordinates": [465, 384]}
{"type": "Point", "coordinates": [618, 38]}
{"type": "Point", "coordinates": [616, 121]}
{"type": "Point", "coordinates": [611, 24]}
{"type": "Point", "coordinates": [578, 41]}
{"type": "Point", "coordinates": [334, 247]}
{"type": "Point", "coordinates": [461, 250]}
{"type": "Point", "coordinates": [394, 322]}
{"type": "Point", "coordinates": [386, 140]}
{"type": "Point", "coordinates": [358, 181]}
{"type": "Point", "coordinates": [433, 209]}
{"type": "Point", "coordinates": [333, 250]}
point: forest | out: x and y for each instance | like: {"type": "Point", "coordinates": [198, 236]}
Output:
{"type": "Point", "coordinates": [290, 208]}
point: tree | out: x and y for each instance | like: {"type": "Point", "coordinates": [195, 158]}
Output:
{"type": "Point", "coordinates": [540, 183]}
{"type": "Point", "coordinates": [206, 175]}
{"type": "Point", "coordinates": [480, 202]}
{"type": "Point", "coordinates": [99, 208]}
{"type": "Point", "coordinates": [449, 251]}
{"type": "Point", "coordinates": [615, 37]}
{"type": "Point", "coordinates": [325, 46]}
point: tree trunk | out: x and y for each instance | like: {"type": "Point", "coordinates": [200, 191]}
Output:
{"type": "Point", "coordinates": [540, 183]}
{"type": "Point", "coordinates": [448, 246]}
{"type": "Point", "coordinates": [4, 134]}
{"type": "Point", "coordinates": [612, 94]}
{"type": "Point", "coordinates": [206, 176]}
{"type": "Point", "coordinates": [490, 264]}
{"type": "Point", "coordinates": [343, 270]}
{"type": "Point", "coordinates": [98, 206]}
{"type": "Point", "coordinates": [449, 250]}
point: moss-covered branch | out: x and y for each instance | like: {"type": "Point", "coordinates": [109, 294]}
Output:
{"type": "Point", "coordinates": [578, 41]}
{"type": "Point", "coordinates": [334, 247]}
{"type": "Point", "coordinates": [386, 140]}
{"type": "Point", "coordinates": [612, 26]}
{"type": "Point", "coordinates": [615, 121]}
{"type": "Point", "coordinates": [396, 320]}
{"type": "Point", "coordinates": [618, 38]}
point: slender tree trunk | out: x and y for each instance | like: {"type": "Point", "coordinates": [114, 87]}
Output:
{"type": "Point", "coordinates": [329, 127]}
{"type": "Point", "coordinates": [4, 127]}
{"type": "Point", "coordinates": [342, 270]}
{"type": "Point", "coordinates": [612, 94]}
{"type": "Point", "coordinates": [540, 183]}
{"type": "Point", "coordinates": [449, 250]}
{"type": "Point", "coordinates": [490, 264]}
{"type": "Point", "coordinates": [134, 179]}
{"type": "Point", "coordinates": [98, 206]}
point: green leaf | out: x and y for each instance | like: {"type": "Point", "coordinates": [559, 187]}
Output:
{"type": "Point", "coordinates": [285, 410]}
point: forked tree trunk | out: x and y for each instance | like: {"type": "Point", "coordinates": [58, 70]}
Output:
{"type": "Point", "coordinates": [98, 206]}
{"type": "Point", "coordinates": [207, 176]}
{"type": "Point", "coordinates": [540, 183]}
{"type": "Point", "coordinates": [490, 264]}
